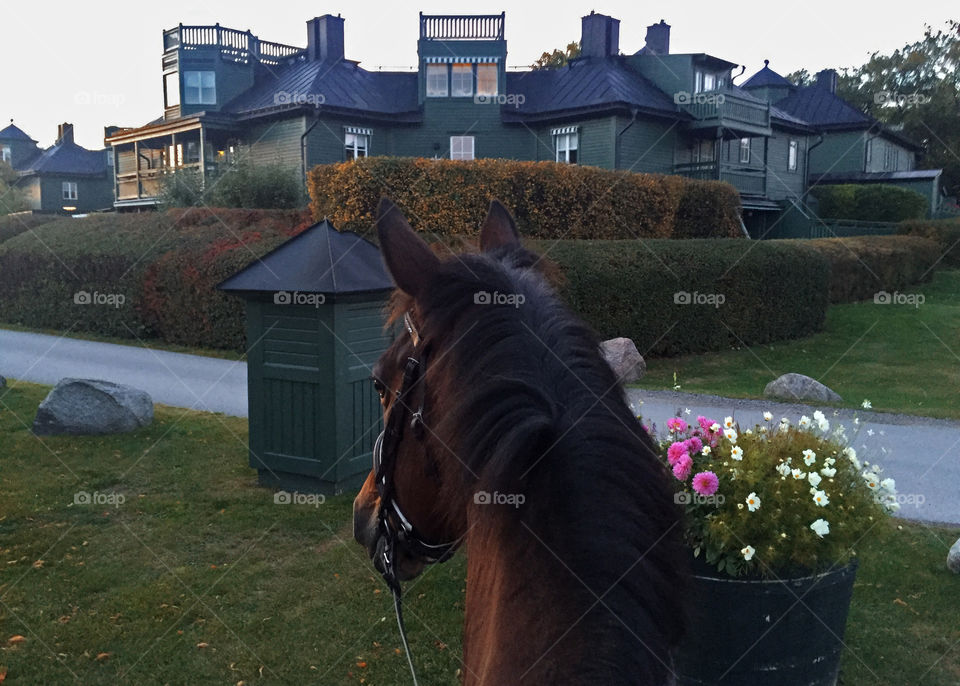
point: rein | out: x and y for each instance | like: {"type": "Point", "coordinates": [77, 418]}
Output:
{"type": "Point", "coordinates": [394, 525]}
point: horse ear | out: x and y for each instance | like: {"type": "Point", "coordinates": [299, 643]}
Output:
{"type": "Point", "coordinates": [409, 259]}
{"type": "Point", "coordinates": [498, 228]}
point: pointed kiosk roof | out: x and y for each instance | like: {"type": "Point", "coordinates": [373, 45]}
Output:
{"type": "Point", "coordinates": [766, 77]}
{"type": "Point", "coordinates": [319, 260]}
{"type": "Point", "coordinates": [14, 133]}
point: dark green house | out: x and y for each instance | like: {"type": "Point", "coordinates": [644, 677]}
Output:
{"type": "Point", "coordinates": [229, 94]}
{"type": "Point", "coordinates": [65, 178]}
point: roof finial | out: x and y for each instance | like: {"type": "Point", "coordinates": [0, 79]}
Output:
{"type": "Point", "coordinates": [766, 63]}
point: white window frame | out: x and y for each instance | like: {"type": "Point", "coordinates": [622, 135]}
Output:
{"type": "Point", "coordinates": [6, 154]}
{"type": "Point", "coordinates": [496, 78]}
{"type": "Point", "coordinates": [793, 155]}
{"type": "Point", "coordinates": [709, 81]}
{"type": "Point", "coordinates": [698, 81]}
{"type": "Point", "coordinates": [356, 143]}
{"type": "Point", "coordinates": [68, 189]}
{"type": "Point", "coordinates": [205, 87]}
{"type": "Point", "coordinates": [459, 148]}
{"type": "Point", "coordinates": [432, 82]}
{"type": "Point", "coordinates": [171, 87]}
{"type": "Point", "coordinates": [744, 151]}
{"type": "Point", "coordinates": [566, 143]}
{"type": "Point", "coordinates": [461, 80]}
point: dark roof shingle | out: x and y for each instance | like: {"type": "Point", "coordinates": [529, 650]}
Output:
{"type": "Point", "coordinates": [68, 158]}
{"type": "Point", "coordinates": [13, 133]}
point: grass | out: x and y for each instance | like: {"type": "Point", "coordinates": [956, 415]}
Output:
{"type": "Point", "coordinates": [902, 358]}
{"type": "Point", "coordinates": [199, 578]}
{"type": "Point", "coordinates": [151, 343]}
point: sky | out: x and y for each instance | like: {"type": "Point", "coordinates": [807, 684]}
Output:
{"type": "Point", "coordinates": [98, 63]}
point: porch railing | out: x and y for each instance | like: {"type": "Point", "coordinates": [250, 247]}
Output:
{"type": "Point", "coordinates": [728, 106]}
{"type": "Point", "coordinates": [238, 46]}
{"type": "Point", "coordinates": [747, 180]}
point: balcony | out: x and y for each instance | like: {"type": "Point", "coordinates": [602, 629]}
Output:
{"type": "Point", "coordinates": [749, 181]}
{"type": "Point", "coordinates": [723, 109]}
{"type": "Point", "coordinates": [235, 46]}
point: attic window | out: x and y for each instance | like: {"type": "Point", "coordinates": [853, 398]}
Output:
{"type": "Point", "coordinates": [461, 80]}
{"type": "Point", "coordinates": [487, 79]}
{"type": "Point", "coordinates": [200, 87]}
{"type": "Point", "coordinates": [437, 81]}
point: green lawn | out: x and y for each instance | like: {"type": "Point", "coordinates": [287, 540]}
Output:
{"type": "Point", "coordinates": [199, 578]}
{"type": "Point", "coordinates": [902, 358]}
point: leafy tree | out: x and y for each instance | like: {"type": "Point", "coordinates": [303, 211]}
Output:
{"type": "Point", "coordinates": [558, 58]}
{"type": "Point", "coordinates": [11, 199]}
{"type": "Point", "coordinates": [244, 184]}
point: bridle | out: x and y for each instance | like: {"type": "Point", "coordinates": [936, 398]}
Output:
{"type": "Point", "coordinates": [394, 526]}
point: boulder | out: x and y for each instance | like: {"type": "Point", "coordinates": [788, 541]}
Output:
{"type": "Point", "coordinates": [800, 387]}
{"type": "Point", "coordinates": [88, 406]}
{"type": "Point", "coordinates": [953, 558]}
{"type": "Point", "coordinates": [624, 358]}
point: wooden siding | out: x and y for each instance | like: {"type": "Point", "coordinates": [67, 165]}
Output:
{"type": "Point", "coordinates": [275, 142]}
{"type": "Point", "coordinates": [647, 146]}
{"type": "Point", "coordinates": [839, 152]}
{"type": "Point", "coordinates": [903, 160]}
{"type": "Point", "coordinates": [781, 182]}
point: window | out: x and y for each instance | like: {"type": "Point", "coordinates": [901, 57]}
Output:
{"type": "Point", "coordinates": [69, 190]}
{"type": "Point", "coordinates": [487, 79]}
{"type": "Point", "coordinates": [109, 153]}
{"type": "Point", "coordinates": [706, 81]}
{"type": "Point", "coordinates": [704, 151]}
{"type": "Point", "coordinates": [171, 89]}
{"type": "Point", "coordinates": [744, 150]}
{"type": "Point", "coordinates": [709, 82]}
{"type": "Point", "coordinates": [193, 153]}
{"type": "Point", "coordinates": [436, 80]}
{"type": "Point", "coordinates": [698, 86]}
{"type": "Point", "coordinates": [793, 150]}
{"type": "Point", "coordinates": [869, 150]}
{"type": "Point", "coordinates": [200, 87]}
{"type": "Point", "coordinates": [5, 154]}
{"type": "Point", "coordinates": [461, 81]}
{"type": "Point", "coordinates": [891, 157]}
{"type": "Point", "coordinates": [355, 144]}
{"type": "Point", "coordinates": [567, 144]}
{"type": "Point", "coordinates": [461, 147]}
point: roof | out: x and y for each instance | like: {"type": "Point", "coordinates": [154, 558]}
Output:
{"type": "Point", "coordinates": [866, 177]}
{"type": "Point", "coordinates": [586, 83]}
{"type": "Point", "coordinates": [766, 77]}
{"type": "Point", "coordinates": [821, 108]}
{"type": "Point", "coordinates": [13, 133]}
{"type": "Point", "coordinates": [68, 158]}
{"type": "Point", "coordinates": [341, 85]}
{"type": "Point", "coordinates": [319, 260]}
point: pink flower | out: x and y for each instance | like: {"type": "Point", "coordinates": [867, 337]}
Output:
{"type": "Point", "coordinates": [705, 424]}
{"type": "Point", "coordinates": [705, 483]}
{"type": "Point", "coordinates": [675, 451]}
{"type": "Point", "coordinates": [694, 445]}
{"type": "Point", "coordinates": [676, 424]}
{"type": "Point", "coordinates": [682, 467]}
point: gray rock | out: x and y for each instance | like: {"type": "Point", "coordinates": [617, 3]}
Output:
{"type": "Point", "coordinates": [953, 558]}
{"type": "Point", "coordinates": [624, 358]}
{"type": "Point", "coordinates": [88, 406]}
{"type": "Point", "coordinates": [800, 387]}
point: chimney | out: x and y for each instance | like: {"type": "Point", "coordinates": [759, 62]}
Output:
{"type": "Point", "coordinates": [325, 38]}
{"type": "Point", "coordinates": [600, 36]}
{"type": "Point", "coordinates": [64, 133]}
{"type": "Point", "coordinates": [827, 79]}
{"type": "Point", "coordinates": [658, 38]}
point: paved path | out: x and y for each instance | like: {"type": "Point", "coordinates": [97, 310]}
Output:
{"type": "Point", "coordinates": [192, 381]}
{"type": "Point", "coordinates": [922, 454]}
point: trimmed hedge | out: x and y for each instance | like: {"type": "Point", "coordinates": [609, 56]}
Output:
{"type": "Point", "coordinates": [861, 266]}
{"type": "Point", "coordinates": [869, 202]}
{"type": "Point", "coordinates": [944, 232]}
{"type": "Point", "coordinates": [548, 200]}
{"type": "Point", "coordinates": [14, 224]}
{"type": "Point", "coordinates": [771, 290]}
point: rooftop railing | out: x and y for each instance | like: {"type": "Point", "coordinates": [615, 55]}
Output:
{"type": "Point", "coordinates": [462, 27]}
{"type": "Point", "coordinates": [238, 46]}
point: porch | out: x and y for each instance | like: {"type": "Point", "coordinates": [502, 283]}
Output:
{"type": "Point", "coordinates": [749, 181]}
{"type": "Point", "coordinates": [725, 110]}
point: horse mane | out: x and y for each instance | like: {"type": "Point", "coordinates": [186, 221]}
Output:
{"type": "Point", "coordinates": [538, 411]}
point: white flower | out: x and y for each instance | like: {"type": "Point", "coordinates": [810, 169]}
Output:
{"type": "Point", "coordinates": [824, 425]}
{"type": "Point", "coordinates": [728, 422]}
{"type": "Point", "coordinates": [821, 527]}
{"type": "Point", "coordinates": [856, 421]}
{"type": "Point", "coordinates": [869, 432]}
{"type": "Point", "coordinates": [866, 405]}
{"type": "Point", "coordinates": [748, 552]}
{"type": "Point", "coordinates": [814, 479]}
{"type": "Point", "coordinates": [763, 429]}
{"type": "Point", "coordinates": [706, 450]}
{"type": "Point", "coordinates": [828, 472]}
{"type": "Point", "coordinates": [889, 485]}
{"type": "Point", "coordinates": [893, 506]}
{"type": "Point", "coordinates": [731, 435]}
{"type": "Point", "coordinates": [821, 499]}
{"type": "Point", "coordinates": [753, 502]}
{"type": "Point", "coordinates": [809, 457]}
{"type": "Point", "coordinates": [818, 416]}
{"type": "Point", "coordinates": [714, 427]}
{"type": "Point", "coordinates": [686, 410]}
{"type": "Point", "coordinates": [798, 474]}
{"type": "Point", "coordinates": [804, 421]}
{"type": "Point", "coordinates": [829, 462]}
{"type": "Point", "coordinates": [784, 469]}
{"type": "Point", "coordinates": [784, 422]}
{"type": "Point", "coordinates": [736, 453]}
{"type": "Point", "coordinates": [748, 432]}
{"type": "Point", "coordinates": [767, 416]}
{"type": "Point", "coordinates": [872, 480]}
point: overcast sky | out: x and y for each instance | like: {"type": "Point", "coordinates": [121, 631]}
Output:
{"type": "Point", "coordinates": [98, 63]}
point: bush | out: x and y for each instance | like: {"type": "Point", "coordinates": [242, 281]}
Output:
{"type": "Point", "coordinates": [861, 266]}
{"type": "Point", "coordinates": [242, 185]}
{"type": "Point", "coordinates": [687, 296]}
{"type": "Point", "coordinates": [944, 232]}
{"type": "Point", "coordinates": [869, 202]}
{"type": "Point", "coordinates": [548, 200]}
{"type": "Point", "coordinates": [14, 224]}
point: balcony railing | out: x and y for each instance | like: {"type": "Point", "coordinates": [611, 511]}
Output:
{"type": "Point", "coordinates": [747, 180]}
{"type": "Point", "coordinates": [461, 27]}
{"type": "Point", "coordinates": [725, 108]}
{"type": "Point", "coordinates": [237, 46]}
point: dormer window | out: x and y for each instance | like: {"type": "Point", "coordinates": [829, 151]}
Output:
{"type": "Point", "coordinates": [487, 79]}
{"type": "Point", "coordinates": [437, 81]}
{"type": "Point", "coordinates": [200, 87]}
{"type": "Point", "coordinates": [708, 81]}
{"type": "Point", "coordinates": [461, 80]}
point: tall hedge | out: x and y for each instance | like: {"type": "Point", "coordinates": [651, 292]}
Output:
{"type": "Point", "coordinates": [548, 200]}
{"type": "Point", "coordinates": [14, 224]}
{"type": "Point", "coordinates": [944, 232]}
{"type": "Point", "coordinates": [869, 202]}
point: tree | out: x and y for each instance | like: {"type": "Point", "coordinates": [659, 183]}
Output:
{"type": "Point", "coordinates": [11, 199]}
{"type": "Point", "coordinates": [558, 58]}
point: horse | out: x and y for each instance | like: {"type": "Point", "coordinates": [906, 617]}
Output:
{"type": "Point", "coordinates": [508, 433]}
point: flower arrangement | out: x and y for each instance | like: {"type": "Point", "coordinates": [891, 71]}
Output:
{"type": "Point", "coordinates": [774, 498]}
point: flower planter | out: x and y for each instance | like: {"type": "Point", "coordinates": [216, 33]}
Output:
{"type": "Point", "coordinates": [754, 632]}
